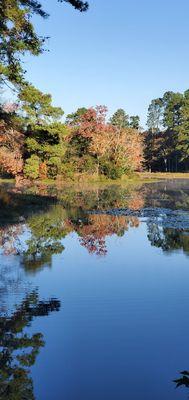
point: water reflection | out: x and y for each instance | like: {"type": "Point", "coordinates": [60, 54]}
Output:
{"type": "Point", "coordinates": [168, 239]}
{"type": "Point", "coordinates": [33, 226]}
{"type": "Point", "coordinates": [183, 380]}
{"type": "Point", "coordinates": [97, 228]}
{"type": "Point", "coordinates": [19, 349]}
{"type": "Point", "coordinates": [33, 223]}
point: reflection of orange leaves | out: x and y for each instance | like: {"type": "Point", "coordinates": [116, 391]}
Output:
{"type": "Point", "coordinates": [134, 222]}
{"type": "Point", "coordinates": [136, 203]}
{"type": "Point", "coordinates": [93, 235]}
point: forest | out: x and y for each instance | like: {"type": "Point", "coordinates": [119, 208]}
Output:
{"type": "Point", "coordinates": [37, 141]}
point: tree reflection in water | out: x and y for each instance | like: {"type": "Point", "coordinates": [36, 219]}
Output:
{"type": "Point", "coordinates": [47, 219]}
{"type": "Point", "coordinates": [183, 381]}
{"type": "Point", "coordinates": [93, 234]}
{"type": "Point", "coordinates": [168, 239]}
{"type": "Point", "coordinates": [44, 216]}
{"type": "Point", "coordinates": [19, 349]}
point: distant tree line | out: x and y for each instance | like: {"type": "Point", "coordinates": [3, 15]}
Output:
{"type": "Point", "coordinates": [166, 142]}
{"type": "Point", "coordinates": [35, 143]}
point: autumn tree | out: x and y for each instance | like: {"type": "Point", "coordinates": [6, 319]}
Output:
{"type": "Point", "coordinates": [96, 133]}
{"type": "Point", "coordinates": [116, 149]}
{"type": "Point", "coordinates": [11, 140]}
{"type": "Point", "coordinates": [127, 150]}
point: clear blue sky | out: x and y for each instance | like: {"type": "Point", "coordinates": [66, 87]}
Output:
{"type": "Point", "coordinates": [120, 53]}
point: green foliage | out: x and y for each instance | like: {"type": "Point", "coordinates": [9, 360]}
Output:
{"type": "Point", "coordinates": [120, 119]}
{"type": "Point", "coordinates": [154, 118]}
{"type": "Point", "coordinates": [74, 118]}
{"type": "Point", "coordinates": [78, 146]}
{"type": "Point", "coordinates": [67, 170]}
{"type": "Point", "coordinates": [45, 133]}
{"type": "Point", "coordinates": [135, 122]}
{"type": "Point", "coordinates": [47, 230]}
{"type": "Point", "coordinates": [18, 35]}
{"type": "Point", "coordinates": [111, 170]}
{"type": "Point", "coordinates": [31, 167]}
{"type": "Point", "coordinates": [166, 141]}
{"type": "Point", "coordinates": [38, 108]}
{"type": "Point", "coordinates": [89, 164]}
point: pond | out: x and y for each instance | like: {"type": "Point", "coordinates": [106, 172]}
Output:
{"type": "Point", "coordinates": [94, 292]}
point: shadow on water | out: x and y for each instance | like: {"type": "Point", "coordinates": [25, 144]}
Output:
{"type": "Point", "coordinates": [19, 349]}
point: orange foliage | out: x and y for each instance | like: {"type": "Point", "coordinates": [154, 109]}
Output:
{"type": "Point", "coordinates": [43, 170]}
{"type": "Point", "coordinates": [123, 146]}
{"type": "Point", "coordinates": [128, 144]}
{"type": "Point", "coordinates": [11, 144]}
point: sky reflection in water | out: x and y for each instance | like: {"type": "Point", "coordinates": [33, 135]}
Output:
{"type": "Point", "coordinates": [117, 281]}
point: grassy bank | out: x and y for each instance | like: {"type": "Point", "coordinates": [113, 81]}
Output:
{"type": "Point", "coordinates": [86, 181]}
{"type": "Point", "coordinates": [163, 175]}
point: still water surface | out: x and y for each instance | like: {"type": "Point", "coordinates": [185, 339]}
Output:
{"type": "Point", "coordinates": [94, 293]}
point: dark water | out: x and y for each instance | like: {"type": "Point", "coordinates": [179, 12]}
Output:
{"type": "Point", "coordinates": [94, 292]}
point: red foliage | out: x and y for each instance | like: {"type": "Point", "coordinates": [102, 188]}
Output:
{"type": "Point", "coordinates": [119, 145]}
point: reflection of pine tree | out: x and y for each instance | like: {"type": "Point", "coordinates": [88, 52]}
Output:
{"type": "Point", "coordinates": [19, 349]}
{"type": "Point", "coordinates": [168, 239]}
{"type": "Point", "coordinates": [46, 230]}
{"type": "Point", "coordinates": [183, 380]}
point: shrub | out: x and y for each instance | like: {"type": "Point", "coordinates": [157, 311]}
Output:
{"type": "Point", "coordinates": [88, 164]}
{"type": "Point", "coordinates": [67, 170]}
{"type": "Point", "coordinates": [112, 170]}
{"type": "Point", "coordinates": [54, 166]}
{"type": "Point", "coordinates": [31, 167]}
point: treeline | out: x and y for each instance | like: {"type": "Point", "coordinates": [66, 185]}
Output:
{"type": "Point", "coordinates": [166, 142]}
{"type": "Point", "coordinates": [35, 143]}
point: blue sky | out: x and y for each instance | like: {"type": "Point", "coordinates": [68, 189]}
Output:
{"type": "Point", "coordinates": [120, 53]}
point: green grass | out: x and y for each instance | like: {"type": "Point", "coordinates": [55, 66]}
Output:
{"type": "Point", "coordinates": [164, 175]}
{"type": "Point", "coordinates": [93, 180]}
